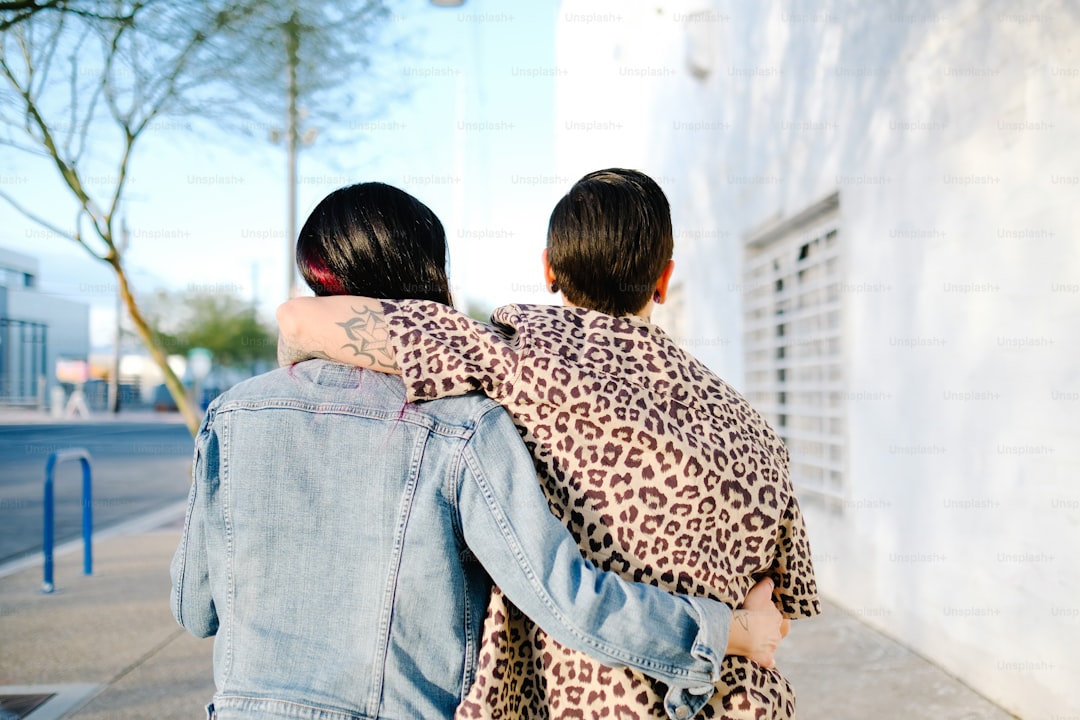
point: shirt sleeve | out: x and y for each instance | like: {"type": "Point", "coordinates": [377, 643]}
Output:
{"type": "Point", "coordinates": [192, 602]}
{"type": "Point", "coordinates": [505, 519]}
{"type": "Point", "coordinates": [796, 588]}
{"type": "Point", "coordinates": [443, 352]}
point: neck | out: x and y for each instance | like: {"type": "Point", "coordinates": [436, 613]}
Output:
{"type": "Point", "coordinates": [644, 313]}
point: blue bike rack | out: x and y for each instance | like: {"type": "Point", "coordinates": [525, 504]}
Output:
{"type": "Point", "coordinates": [87, 512]}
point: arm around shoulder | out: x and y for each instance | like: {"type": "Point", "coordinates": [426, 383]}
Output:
{"type": "Point", "coordinates": [537, 563]}
{"type": "Point", "coordinates": [347, 329]}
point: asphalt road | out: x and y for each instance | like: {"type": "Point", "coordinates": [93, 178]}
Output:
{"type": "Point", "coordinates": [136, 468]}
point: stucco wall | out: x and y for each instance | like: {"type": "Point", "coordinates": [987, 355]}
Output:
{"type": "Point", "coordinates": [952, 132]}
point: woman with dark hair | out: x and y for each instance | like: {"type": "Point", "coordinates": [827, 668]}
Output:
{"type": "Point", "coordinates": [376, 238]}
{"type": "Point", "coordinates": [333, 528]}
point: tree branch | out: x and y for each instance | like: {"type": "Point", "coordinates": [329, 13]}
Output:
{"type": "Point", "coordinates": [74, 135]}
{"type": "Point", "coordinates": [29, 149]}
{"type": "Point", "coordinates": [176, 388]}
{"type": "Point", "coordinates": [121, 179]}
{"type": "Point", "coordinates": [81, 129]}
{"type": "Point", "coordinates": [39, 68]}
{"type": "Point", "coordinates": [25, 212]}
{"type": "Point", "coordinates": [67, 171]}
{"type": "Point", "coordinates": [27, 5]}
{"type": "Point", "coordinates": [25, 9]}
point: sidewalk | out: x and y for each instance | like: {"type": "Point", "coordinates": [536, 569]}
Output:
{"type": "Point", "coordinates": [110, 634]}
{"type": "Point", "coordinates": [25, 416]}
{"type": "Point", "coordinates": [107, 647]}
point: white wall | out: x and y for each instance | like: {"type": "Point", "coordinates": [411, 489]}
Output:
{"type": "Point", "coordinates": [952, 132]}
{"type": "Point", "coordinates": [68, 336]}
{"type": "Point", "coordinates": [16, 262]}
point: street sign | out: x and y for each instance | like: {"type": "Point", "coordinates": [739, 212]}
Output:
{"type": "Point", "coordinates": [199, 362]}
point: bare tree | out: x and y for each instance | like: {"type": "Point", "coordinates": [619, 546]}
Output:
{"type": "Point", "coordinates": [305, 56]}
{"type": "Point", "coordinates": [12, 13]}
{"type": "Point", "coordinates": [52, 105]}
{"type": "Point", "coordinates": [85, 80]}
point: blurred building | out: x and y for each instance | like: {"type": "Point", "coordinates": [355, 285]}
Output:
{"type": "Point", "coordinates": [877, 209]}
{"type": "Point", "coordinates": [37, 330]}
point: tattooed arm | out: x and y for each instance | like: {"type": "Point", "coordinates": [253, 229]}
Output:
{"type": "Point", "coordinates": [340, 327]}
{"type": "Point", "coordinates": [288, 354]}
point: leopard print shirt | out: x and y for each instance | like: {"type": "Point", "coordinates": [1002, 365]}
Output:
{"type": "Point", "coordinates": [662, 472]}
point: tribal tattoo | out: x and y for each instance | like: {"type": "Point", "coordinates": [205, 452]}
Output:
{"type": "Point", "coordinates": [370, 338]}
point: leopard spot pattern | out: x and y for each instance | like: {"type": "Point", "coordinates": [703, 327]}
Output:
{"type": "Point", "coordinates": [662, 472]}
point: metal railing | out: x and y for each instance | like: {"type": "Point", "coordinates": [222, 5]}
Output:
{"type": "Point", "coordinates": [87, 512]}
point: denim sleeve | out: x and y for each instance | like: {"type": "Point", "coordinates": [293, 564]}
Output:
{"type": "Point", "coordinates": [192, 602]}
{"type": "Point", "coordinates": [534, 559]}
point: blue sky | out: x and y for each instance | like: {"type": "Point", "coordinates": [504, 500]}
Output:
{"type": "Point", "coordinates": [473, 139]}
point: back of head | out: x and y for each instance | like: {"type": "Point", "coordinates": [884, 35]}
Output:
{"type": "Point", "coordinates": [609, 239]}
{"type": "Point", "coordinates": [374, 240]}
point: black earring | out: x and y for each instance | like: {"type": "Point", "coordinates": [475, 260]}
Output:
{"type": "Point", "coordinates": [553, 287]}
{"type": "Point", "coordinates": [656, 296]}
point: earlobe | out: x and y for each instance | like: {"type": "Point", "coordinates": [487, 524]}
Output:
{"type": "Point", "coordinates": [660, 293]}
{"type": "Point", "coordinates": [549, 274]}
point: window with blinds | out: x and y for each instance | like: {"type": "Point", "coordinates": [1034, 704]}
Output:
{"type": "Point", "coordinates": [793, 343]}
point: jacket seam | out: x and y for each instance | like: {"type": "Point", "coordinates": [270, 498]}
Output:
{"type": "Point", "coordinates": [224, 492]}
{"type": "Point", "coordinates": [390, 591]}
{"type": "Point", "coordinates": [469, 668]}
{"type": "Point", "coordinates": [228, 699]}
{"type": "Point", "coordinates": [434, 425]}
{"type": "Point", "coordinates": [181, 571]}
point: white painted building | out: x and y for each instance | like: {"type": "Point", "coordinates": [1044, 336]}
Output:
{"type": "Point", "coordinates": [36, 330]}
{"type": "Point", "coordinates": [877, 217]}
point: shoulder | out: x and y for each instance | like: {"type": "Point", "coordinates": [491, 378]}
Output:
{"type": "Point", "coordinates": [322, 386]}
{"type": "Point", "coordinates": [461, 411]}
{"type": "Point", "coordinates": [526, 316]}
{"type": "Point", "coordinates": [313, 383]}
{"type": "Point", "coordinates": [545, 327]}
{"type": "Point", "coordinates": [259, 385]}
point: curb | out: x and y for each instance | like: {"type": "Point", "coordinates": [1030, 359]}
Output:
{"type": "Point", "coordinates": [140, 524]}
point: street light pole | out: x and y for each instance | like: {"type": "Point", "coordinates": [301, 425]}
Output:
{"type": "Point", "coordinates": [292, 49]}
{"type": "Point", "coordinates": [292, 135]}
{"type": "Point", "coordinates": [114, 373]}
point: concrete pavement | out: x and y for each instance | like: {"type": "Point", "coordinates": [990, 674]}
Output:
{"type": "Point", "coordinates": [111, 634]}
{"type": "Point", "coordinates": [30, 416]}
{"type": "Point", "coordinates": [105, 647]}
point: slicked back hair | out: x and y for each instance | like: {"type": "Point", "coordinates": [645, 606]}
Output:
{"type": "Point", "coordinates": [609, 239]}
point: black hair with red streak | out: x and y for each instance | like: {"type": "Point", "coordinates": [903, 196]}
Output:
{"type": "Point", "coordinates": [374, 240]}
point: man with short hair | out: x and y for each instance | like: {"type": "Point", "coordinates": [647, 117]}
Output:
{"type": "Point", "coordinates": [661, 471]}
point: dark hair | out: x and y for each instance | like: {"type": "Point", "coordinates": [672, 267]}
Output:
{"type": "Point", "coordinates": [609, 239]}
{"type": "Point", "coordinates": [374, 240]}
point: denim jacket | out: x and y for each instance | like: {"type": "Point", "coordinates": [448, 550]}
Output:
{"type": "Point", "coordinates": [336, 543]}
